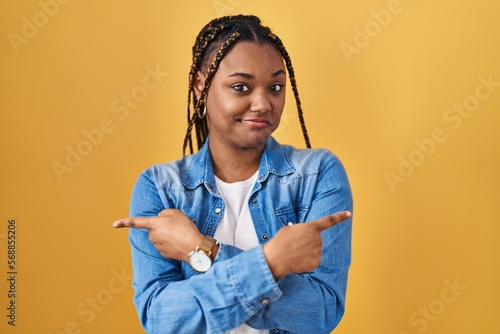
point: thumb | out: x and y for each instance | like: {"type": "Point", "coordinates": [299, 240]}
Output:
{"type": "Point", "coordinates": [332, 220]}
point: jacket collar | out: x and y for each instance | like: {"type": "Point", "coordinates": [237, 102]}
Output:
{"type": "Point", "coordinates": [274, 160]}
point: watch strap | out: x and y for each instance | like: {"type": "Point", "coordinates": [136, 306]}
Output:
{"type": "Point", "coordinates": [207, 245]}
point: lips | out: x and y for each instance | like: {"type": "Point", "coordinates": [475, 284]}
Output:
{"type": "Point", "coordinates": [257, 123]}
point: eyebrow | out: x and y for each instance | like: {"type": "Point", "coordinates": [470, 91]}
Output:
{"type": "Point", "coordinates": [250, 76]}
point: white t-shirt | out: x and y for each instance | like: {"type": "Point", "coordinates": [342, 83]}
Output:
{"type": "Point", "coordinates": [236, 227]}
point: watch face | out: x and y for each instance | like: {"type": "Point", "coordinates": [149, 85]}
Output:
{"type": "Point", "coordinates": [200, 262]}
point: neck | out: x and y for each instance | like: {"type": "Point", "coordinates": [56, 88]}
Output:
{"type": "Point", "coordinates": [233, 165]}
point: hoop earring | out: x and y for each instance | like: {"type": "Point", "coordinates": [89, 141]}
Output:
{"type": "Point", "coordinates": [202, 115]}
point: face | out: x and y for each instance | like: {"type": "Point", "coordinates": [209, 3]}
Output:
{"type": "Point", "coordinates": [246, 97]}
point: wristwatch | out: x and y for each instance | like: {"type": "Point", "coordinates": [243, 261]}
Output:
{"type": "Point", "coordinates": [200, 259]}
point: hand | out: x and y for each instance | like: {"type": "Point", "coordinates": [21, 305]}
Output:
{"type": "Point", "coordinates": [298, 248]}
{"type": "Point", "coordinates": [173, 234]}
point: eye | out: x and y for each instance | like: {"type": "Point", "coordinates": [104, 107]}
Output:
{"type": "Point", "coordinates": [276, 88]}
{"type": "Point", "coordinates": [241, 88]}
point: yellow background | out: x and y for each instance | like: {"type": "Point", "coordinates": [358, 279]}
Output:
{"type": "Point", "coordinates": [435, 226]}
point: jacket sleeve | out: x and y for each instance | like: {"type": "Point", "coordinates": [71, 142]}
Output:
{"type": "Point", "coordinates": [314, 302]}
{"type": "Point", "coordinates": [237, 286]}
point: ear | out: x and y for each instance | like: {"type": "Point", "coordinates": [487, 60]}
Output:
{"type": "Point", "coordinates": [198, 84]}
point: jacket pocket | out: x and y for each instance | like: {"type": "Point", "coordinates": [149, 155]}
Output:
{"type": "Point", "coordinates": [291, 214]}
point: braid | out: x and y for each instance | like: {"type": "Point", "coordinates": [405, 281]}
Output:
{"type": "Point", "coordinates": [210, 32]}
{"type": "Point", "coordinates": [206, 36]}
{"type": "Point", "coordinates": [293, 82]}
{"type": "Point", "coordinates": [201, 122]}
{"type": "Point", "coordinates": [213, 42]}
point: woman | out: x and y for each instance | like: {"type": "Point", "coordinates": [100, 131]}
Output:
{"type": "Point", "coordinates": [219, 243]}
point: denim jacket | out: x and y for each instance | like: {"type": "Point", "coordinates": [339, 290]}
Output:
{"type": "Point", "coordinates": [294, 186]}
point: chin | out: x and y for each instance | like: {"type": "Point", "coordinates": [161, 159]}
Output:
{"type": "Point", "coordinates": [256, 142]}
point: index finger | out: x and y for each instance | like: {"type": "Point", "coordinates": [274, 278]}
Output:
{"type": "Point", "coordinates": [332, 220]}
{"type": "Point", "coordinates": [133, 222]}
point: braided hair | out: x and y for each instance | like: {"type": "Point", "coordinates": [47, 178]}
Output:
{"type": "Point", "coordinates": [214, 41]}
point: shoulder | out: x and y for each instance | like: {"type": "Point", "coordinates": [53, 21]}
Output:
{"type": "Point", "coordinates": [306, 158]}
{"type": "Point", "coordinates": [288, 160]}
{"type": "Point", "coordinates": [167, 173]}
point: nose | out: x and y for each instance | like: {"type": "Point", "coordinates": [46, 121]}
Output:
{"type": "Point", "coordinates": [261, 102]}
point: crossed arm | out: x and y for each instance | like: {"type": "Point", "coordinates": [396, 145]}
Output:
{"type": "Point", "coordinates": [294, 249]}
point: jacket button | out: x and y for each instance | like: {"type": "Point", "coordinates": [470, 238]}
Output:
{"type": "Point", "coordinates": [218, 210]}
{"type": "Point", "coordinates": [265, 301]}
{"type": "Point", "coordinates": [265, 237]}
{"type": "Point", "coordinates": [254, 201]}
{"type": "Point", "coordinates": [276, 330]}
{"type": "Point", "coordinates": [290, 224]}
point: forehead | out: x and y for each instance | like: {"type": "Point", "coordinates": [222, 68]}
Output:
{"type": "Point", "coordinates": [252, 58]}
